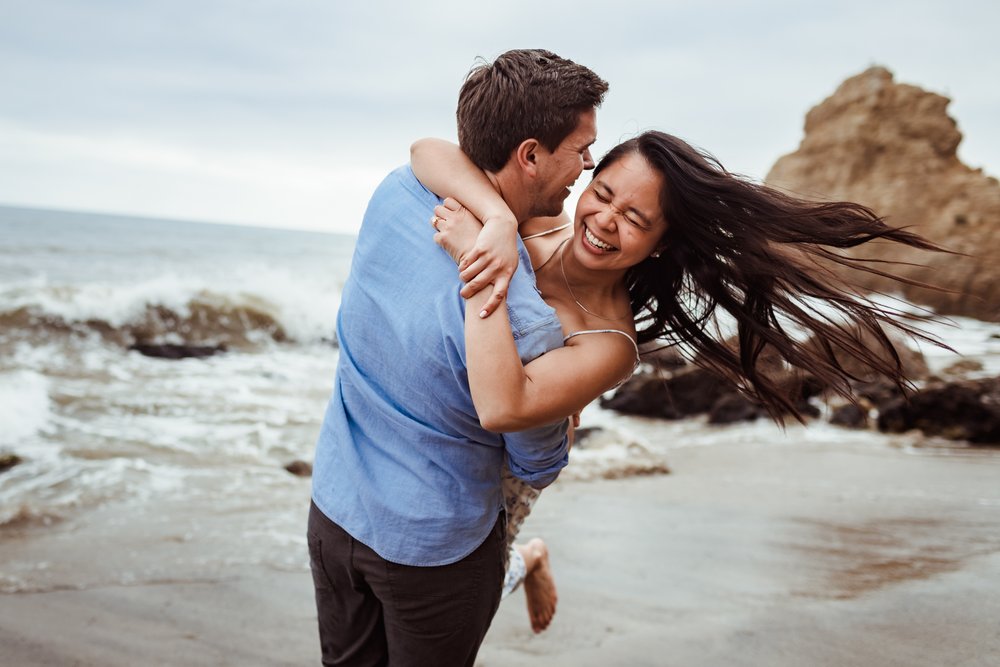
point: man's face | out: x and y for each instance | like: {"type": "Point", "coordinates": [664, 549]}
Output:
{"type": "Point", "coordinates": [559, 169]}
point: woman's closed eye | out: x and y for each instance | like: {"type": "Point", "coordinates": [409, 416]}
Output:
{"type": "Point", "coordinates": [630, 217]}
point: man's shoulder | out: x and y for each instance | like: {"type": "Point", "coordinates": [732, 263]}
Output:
{"type": "Point", "coordinates": [402, 180]}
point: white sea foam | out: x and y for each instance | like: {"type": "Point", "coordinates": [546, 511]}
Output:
{"type": "Point", "coordinates": [24, 405]}
{"type": "Point", "coordinates": [971, 339]}
{"type": "Point", "coordinates": [304, 307]}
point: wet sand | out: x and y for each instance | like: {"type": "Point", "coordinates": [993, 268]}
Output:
{"type": "Point", "coordinates": [747, 554]}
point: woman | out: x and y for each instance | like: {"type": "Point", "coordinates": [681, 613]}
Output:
{"type": "Point", "coordinates": [664, 240]}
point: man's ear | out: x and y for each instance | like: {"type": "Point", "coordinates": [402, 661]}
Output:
{"type": "Point", "coordinates": [526, 156]}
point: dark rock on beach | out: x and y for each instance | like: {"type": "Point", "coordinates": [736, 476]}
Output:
{"type": "Point", "coordinates": [688, 392]}
{"type": "Point", "coordinates": [175, 351]}
{"type": "Point", "coordinates": [849, 415]}
{"type": "Point", "coordinates": [662, 357]}
{"type": "Point", "coordinates": [300, 468]}
{"type": "Point", "coordinates": [879, 393]}
{"type": "Point", "coordinates": [8, 461]}
{"type": "Point", "coordinates": [733, 408]}
{"type": "Point", "coordinates": [962, 368]}
{"type": "Point", "coordinates": [669, 392]}
{"type": "Point", "coordinates": [693, 391]}
{"type": "Point", "coordinates": [964, 410]}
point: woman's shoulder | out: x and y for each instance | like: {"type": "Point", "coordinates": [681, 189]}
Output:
{"type": "Point", "coordinates": [621, 330]}
{"type": "Point", "coordinates": [543, 236]}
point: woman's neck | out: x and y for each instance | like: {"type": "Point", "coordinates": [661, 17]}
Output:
{"type": "Point", "coordinates": [592, 295]}
{"type": "Point", "coordinates": [584, 282]}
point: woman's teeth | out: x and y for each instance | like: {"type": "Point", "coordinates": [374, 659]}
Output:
{"type": "Point", "coordinates": [596, 242]}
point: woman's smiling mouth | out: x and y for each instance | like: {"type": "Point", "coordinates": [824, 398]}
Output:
{"type": "Point", "coordinates": [596, 242]}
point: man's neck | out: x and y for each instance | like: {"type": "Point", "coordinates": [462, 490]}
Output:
{"type": "Point", "coordinates": [512, 193]}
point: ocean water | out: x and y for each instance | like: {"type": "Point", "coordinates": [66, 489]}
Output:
{"type": "Point", "coordinates": [98, 424]}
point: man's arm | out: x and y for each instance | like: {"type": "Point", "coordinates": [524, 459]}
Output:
{"type": "Point", "coordinates": [538, 455]}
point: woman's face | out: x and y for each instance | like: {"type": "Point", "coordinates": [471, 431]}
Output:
{"type": "Point", "coordinates": [618, 218]}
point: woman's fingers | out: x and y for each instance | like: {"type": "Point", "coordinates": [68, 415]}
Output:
{"type": "Point", "coordinates": [446, 209]}
{"type": "Point", "coordinates": [444, 212]}
{"type": "Point", "coordinates": [472, 267]}
{"type": "Point", "coordinates": [478, 268]}
{"type": "Point", "coordinates": [476, 277]}
{"type": "Point", "coordinates": [499, 293]}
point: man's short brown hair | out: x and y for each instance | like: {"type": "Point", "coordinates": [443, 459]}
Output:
{"type": "Point", "coordinates": [523, 94]}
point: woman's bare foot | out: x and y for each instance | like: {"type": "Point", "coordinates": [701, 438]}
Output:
{"type": "Point", "coordinates": [539, 586]}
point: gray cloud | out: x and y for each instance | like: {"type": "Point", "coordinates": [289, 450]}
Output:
{"type": "Point", "coordinates": [226, 107]}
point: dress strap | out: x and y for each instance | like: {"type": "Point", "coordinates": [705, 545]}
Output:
{"type": "Point", "coordinates": [617, 331]}
{"type": "Point", "coordinates": [546, 232]}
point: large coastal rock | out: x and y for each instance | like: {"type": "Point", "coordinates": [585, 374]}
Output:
{"type": "Point", "coordinates": [892, 147]}
{"type": "Point", "coordinates": [964, 410]}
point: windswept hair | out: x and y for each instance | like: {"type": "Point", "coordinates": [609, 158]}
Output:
{"type": "Point", "coordinates": [762, 257]}
{"type": "Point", "coordinates": [523, 94]}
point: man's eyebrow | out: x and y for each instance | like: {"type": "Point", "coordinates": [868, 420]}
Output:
{"type": "Point", "coordinates": [611, 193]}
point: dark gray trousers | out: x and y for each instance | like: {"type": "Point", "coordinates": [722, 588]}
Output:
{"type": "Point", "coordinates": [374, 612]}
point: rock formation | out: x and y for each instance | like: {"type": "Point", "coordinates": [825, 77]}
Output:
{"type": "Point", "coordinates": [964, 410]}
{"type": "Point", "coordinates": [892, 147]}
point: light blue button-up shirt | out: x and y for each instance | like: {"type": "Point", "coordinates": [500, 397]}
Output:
{"type": "Point", "coordinates": [402, 463]}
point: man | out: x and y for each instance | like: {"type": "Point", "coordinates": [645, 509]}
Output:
{"type": "Point", "coordinates": [406, 533]}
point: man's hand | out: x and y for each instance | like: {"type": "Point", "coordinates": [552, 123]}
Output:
{"type": "Point", "coordinates": [491, 259]}
{"type": "Point", "coordinates": [574, 423]}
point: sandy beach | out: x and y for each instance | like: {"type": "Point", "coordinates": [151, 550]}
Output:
{"type": "Point", "coordinates": [746, 554]}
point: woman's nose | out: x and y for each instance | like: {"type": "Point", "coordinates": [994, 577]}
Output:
{"type": "Point", "coordinates": [607, 218]}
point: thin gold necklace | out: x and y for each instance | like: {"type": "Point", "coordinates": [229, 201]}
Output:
{"type": "Point", "coordinates": [562, 267]}
{"type": "Point", "coordinates": [546, 232]}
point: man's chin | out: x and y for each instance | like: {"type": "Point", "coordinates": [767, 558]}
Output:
{"type": "Point", "coordinates": [552, 209]}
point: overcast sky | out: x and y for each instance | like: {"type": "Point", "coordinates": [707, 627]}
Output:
{"type": "Point", "coordinates": [288, 113]}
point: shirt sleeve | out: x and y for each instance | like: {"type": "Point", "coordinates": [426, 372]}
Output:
{"type": "Point", "coordinates": [534, 455]}
{"type": "Point", "coordinates": [537, 455]}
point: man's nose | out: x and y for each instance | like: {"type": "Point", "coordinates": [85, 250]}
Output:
{"type": "Point", "coordinates": [588, 160]}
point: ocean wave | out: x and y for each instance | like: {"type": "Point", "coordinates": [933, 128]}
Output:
{"type": "Point", "coordinates": [51, 487]}
{"type": "Point", "coordinates": [604, 453]}
{"type": "Point", "coordinates": [171, 310]}
{"type": "Point", "coordinates": [24, 405]}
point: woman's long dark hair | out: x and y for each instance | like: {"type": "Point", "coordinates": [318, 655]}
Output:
{"type": "Point", "coordinates": [764, 258]}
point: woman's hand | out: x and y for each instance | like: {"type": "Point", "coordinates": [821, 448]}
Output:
{"type": "Point", "coordinates": [457, 229]}
{"type": "Point", "coordinates": [486, 253]}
